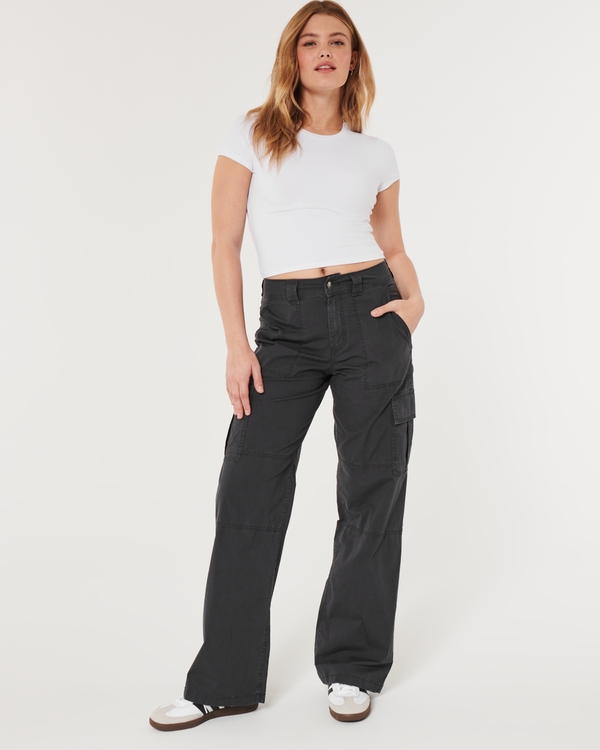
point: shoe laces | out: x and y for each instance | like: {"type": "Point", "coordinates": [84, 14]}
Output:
{"type": "Point", "coordinates": [345, 691]}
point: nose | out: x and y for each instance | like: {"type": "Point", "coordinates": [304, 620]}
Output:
{"type": "Point", "coordinates": [326, 52]}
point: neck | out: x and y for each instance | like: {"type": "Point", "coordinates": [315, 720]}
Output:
{"type": "Point", "coordinates": [322, 112]}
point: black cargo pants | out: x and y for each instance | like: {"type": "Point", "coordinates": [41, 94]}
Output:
{"type": "Point", "coordinates": [314, 333]}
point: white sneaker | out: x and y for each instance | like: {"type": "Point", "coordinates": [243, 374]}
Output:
{"type": "Point", "coordinates": [184, 714]}
{"type": "Point", "coordinates": [348, 702]}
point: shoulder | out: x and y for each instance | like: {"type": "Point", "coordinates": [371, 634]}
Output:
{"type": "Point", "coordinates": [372, 142]}
{"type": "Point", "coordinates": [381, 157]}
{"type": "Point", "coordinates": [236, 142]}
{"type": "Point", "coordinates": [380, 151]}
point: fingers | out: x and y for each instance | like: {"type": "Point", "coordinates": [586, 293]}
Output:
{"type": "Point", "coordinates": [244, 390]}
{"type": "Point", "coordinates": [257, 378]}
{"type": "Point", "coordinates": [377, 311]}
{"type": "Point", "coordinates": [244, 398]}
{"type": "Point", "coordinates": [239, 394]}
{"type": "Point", "coordinates": [236, 402]}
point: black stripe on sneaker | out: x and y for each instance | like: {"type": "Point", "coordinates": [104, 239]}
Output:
{"type": "Point", "coordinates": [202, 707]}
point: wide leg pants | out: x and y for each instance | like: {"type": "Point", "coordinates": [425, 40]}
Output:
{"type": "Point", "coordinates": [314, 333]}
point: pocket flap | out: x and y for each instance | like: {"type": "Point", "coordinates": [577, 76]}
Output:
{"type": "Point", "coordinates": [404, 406]}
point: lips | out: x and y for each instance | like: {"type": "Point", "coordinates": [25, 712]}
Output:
{"type": "Point", "coordinates": [325, 66]}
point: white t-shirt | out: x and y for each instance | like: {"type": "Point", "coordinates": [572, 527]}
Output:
{"type": "Point", "coordinates": [315, 211]}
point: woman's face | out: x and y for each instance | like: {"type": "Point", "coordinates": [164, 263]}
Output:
{"type": "Point", "coordinates": [325, 53]}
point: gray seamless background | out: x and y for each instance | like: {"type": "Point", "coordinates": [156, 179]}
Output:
{"type": "Point", "coordinates": [114, 409]}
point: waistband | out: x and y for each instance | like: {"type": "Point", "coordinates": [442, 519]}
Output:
{"type": "Point", "coordinates": [326, 286]}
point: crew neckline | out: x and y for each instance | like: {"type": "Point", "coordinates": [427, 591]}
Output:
{"type": "Point", "coordinates": [330, 135]}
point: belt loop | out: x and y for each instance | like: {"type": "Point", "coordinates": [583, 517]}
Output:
{"type": "Point", "coordinates": [292, 290]}
{"type": "Point", "coordinates": [357, 283]}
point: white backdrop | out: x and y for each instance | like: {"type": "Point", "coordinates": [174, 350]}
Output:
{"type": "Point", "coordinates": [114, 410]}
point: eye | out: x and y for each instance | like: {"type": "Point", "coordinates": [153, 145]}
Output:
{"type": "Point", "coordinates": [338, 41]}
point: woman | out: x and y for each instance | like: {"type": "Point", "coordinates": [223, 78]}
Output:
{"type": "Point", "coordinates": [340, 302]}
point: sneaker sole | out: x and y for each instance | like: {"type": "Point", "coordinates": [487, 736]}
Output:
{"type": "Point", "coordinates": [228, 711]}
{"type": "Point", "coordinates": [351, 717]}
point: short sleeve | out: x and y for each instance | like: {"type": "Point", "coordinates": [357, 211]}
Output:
{"type": "Point", "coordinates": [388, 166]}
{"type": "Point", "coordinates": [236, 144]}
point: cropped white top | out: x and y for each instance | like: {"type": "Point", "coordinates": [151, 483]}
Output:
{"type": "Point", "coordinates": [315, 211]}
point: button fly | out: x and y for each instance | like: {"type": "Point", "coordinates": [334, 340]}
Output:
{"type": "Point", "coordinates": [329, 284]}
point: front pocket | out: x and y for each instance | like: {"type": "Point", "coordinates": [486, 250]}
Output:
{"type": "Point", "coordinates": [393, 293]}
{"type": "Point", "coordinates": [404, 413]}
{"type": "Point", "coordinates": [236, 434]}
{"type": "Point", "coordinates": [386, 349]}
{"type": "Point", "coordinates": [403, 324]}
{"type": "Point", "coordinates": [228, 434]}
{"type": "Point", "coordinates": [279, 337]}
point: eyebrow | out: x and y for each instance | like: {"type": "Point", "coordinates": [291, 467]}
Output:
{"type": "Point", "coordinates": [335, 33]}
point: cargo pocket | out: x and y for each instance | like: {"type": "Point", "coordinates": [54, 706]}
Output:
{"type": "Point", "coordinates": [404, 413]}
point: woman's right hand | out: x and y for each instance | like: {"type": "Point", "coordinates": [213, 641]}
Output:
{"type": "Point", "coordinates": [241, 364]}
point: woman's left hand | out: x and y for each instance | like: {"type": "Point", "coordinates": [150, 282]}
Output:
{"type": "Point", "coordinates": [410, 310]}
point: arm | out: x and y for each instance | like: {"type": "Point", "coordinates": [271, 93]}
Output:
{"type": "Point", "coordinates": [228, 208]}
{"type": "Point", "coordinates": [385, 220]}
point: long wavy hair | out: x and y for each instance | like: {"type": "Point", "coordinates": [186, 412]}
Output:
{"type": "Point", "coordinates": [278, 120]}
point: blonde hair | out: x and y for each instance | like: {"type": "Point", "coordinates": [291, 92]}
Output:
{"type": "Point", "coordinates": [278, 120]}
